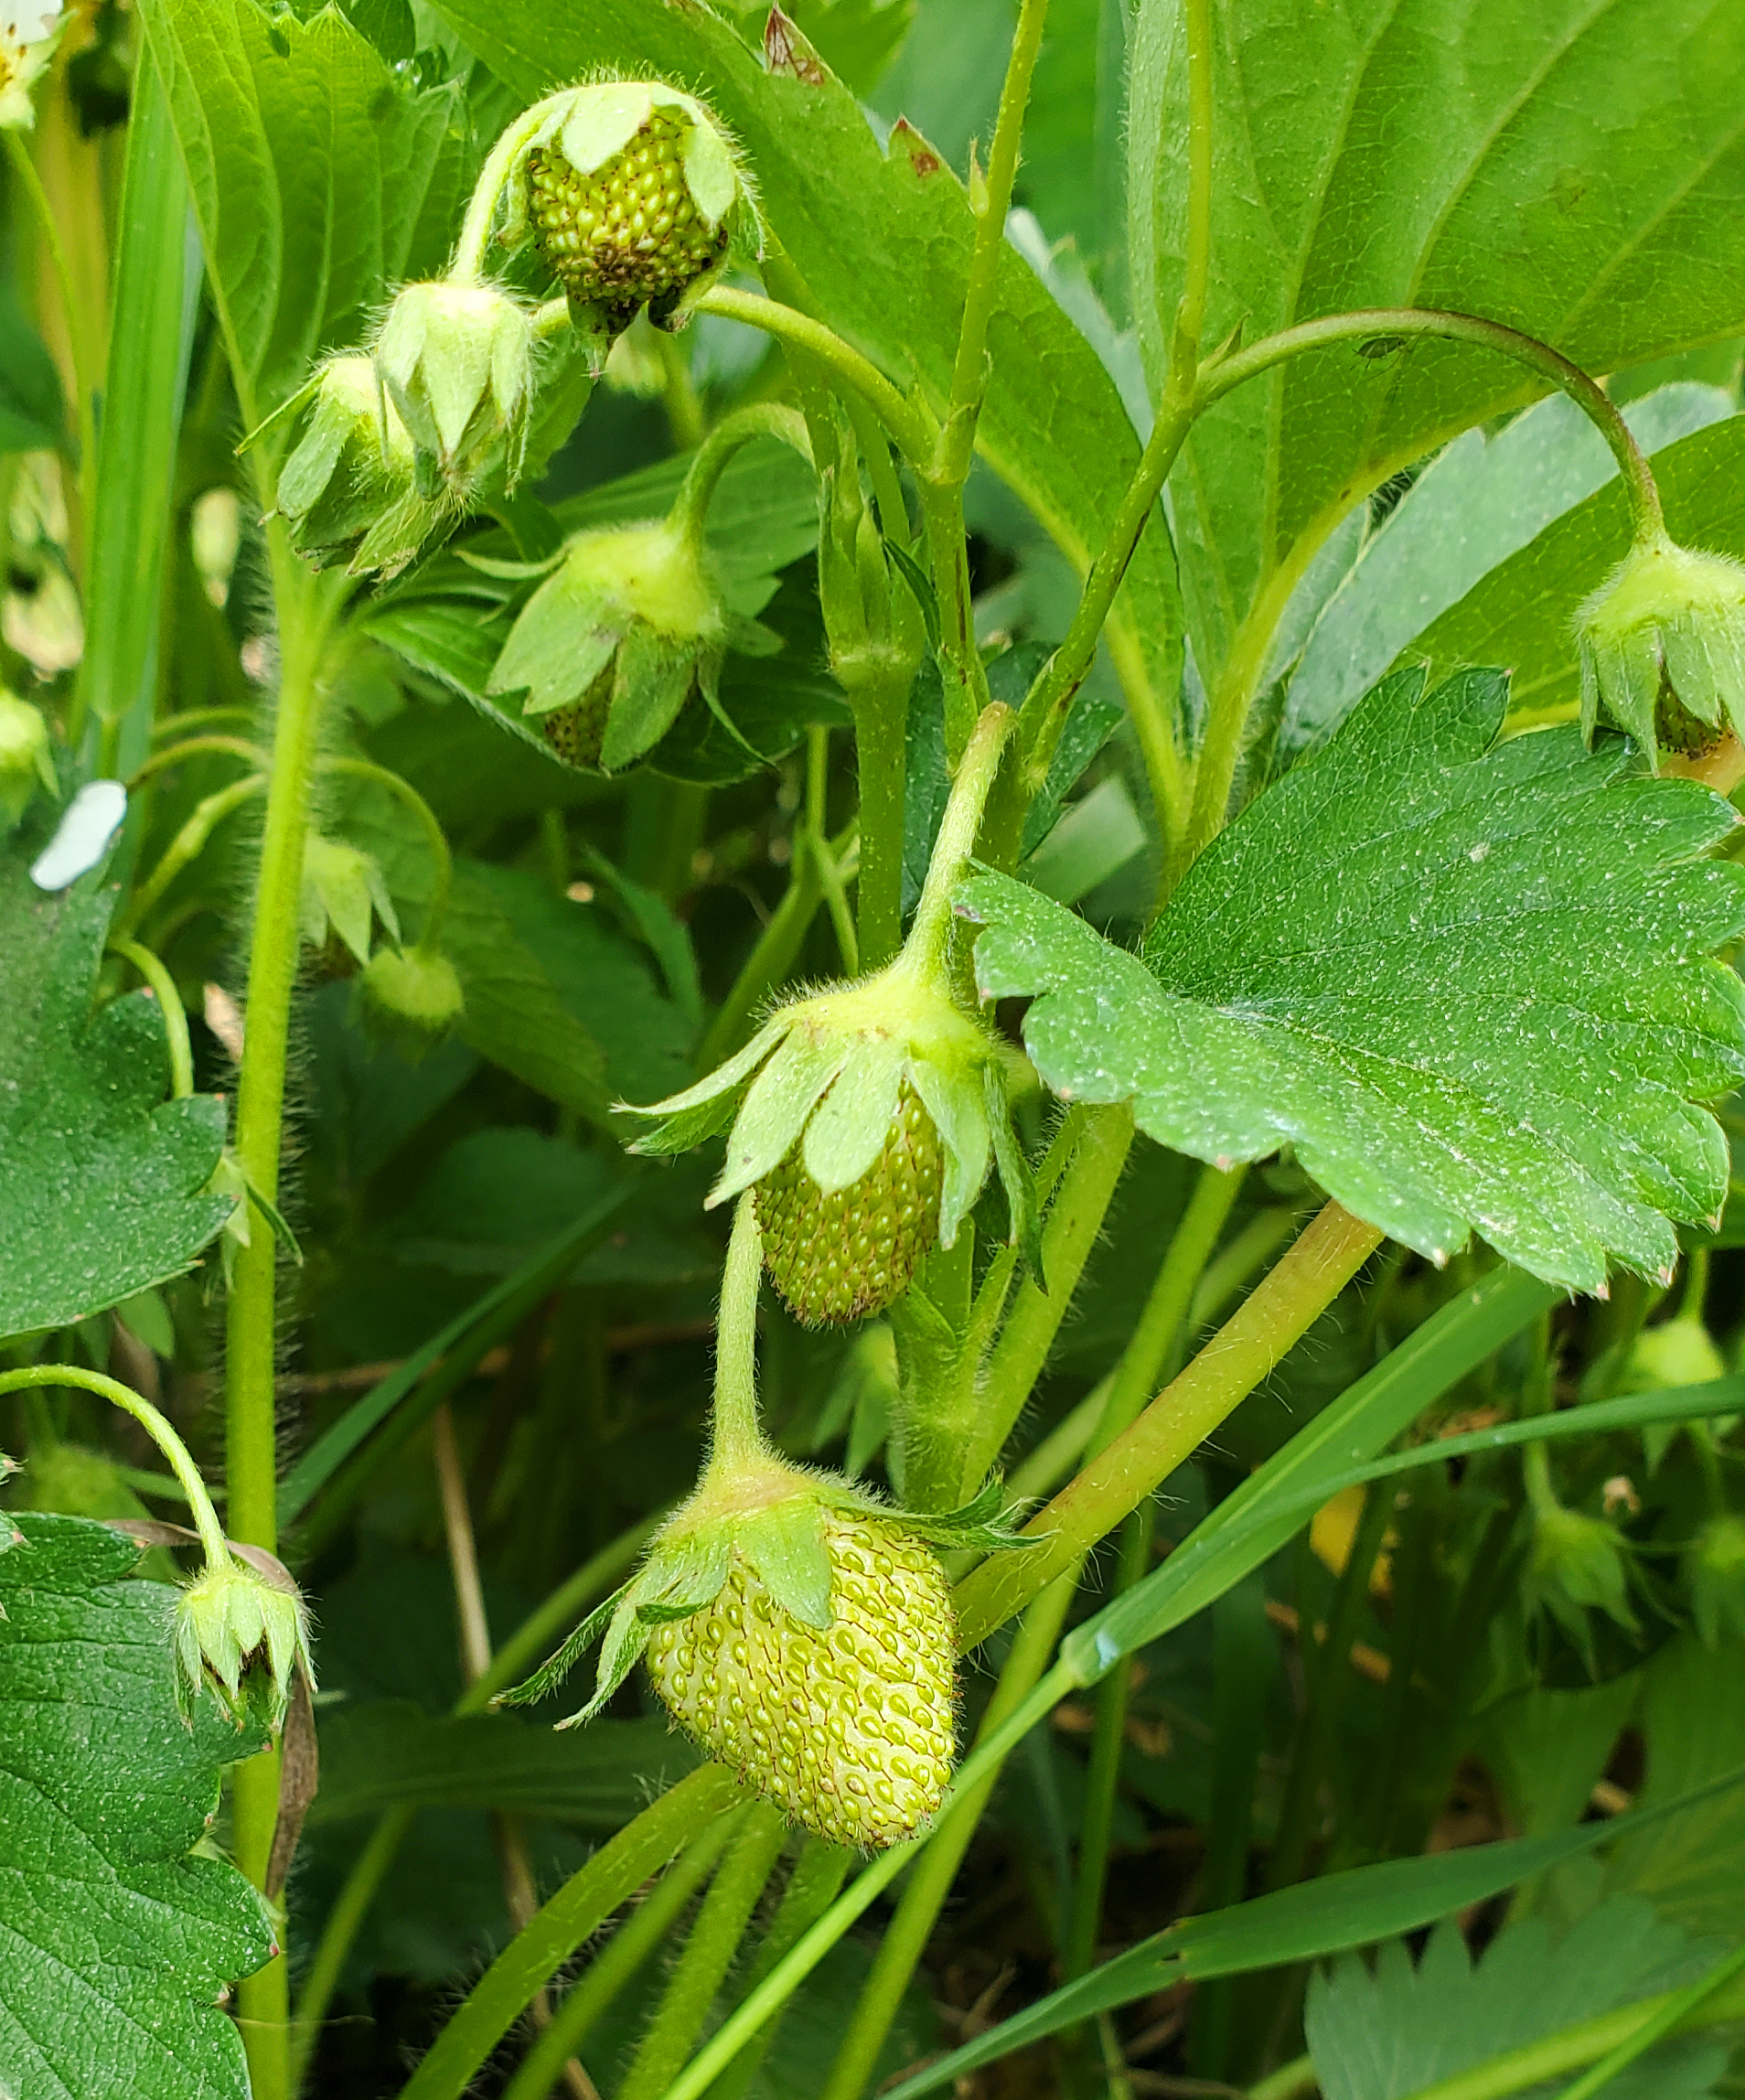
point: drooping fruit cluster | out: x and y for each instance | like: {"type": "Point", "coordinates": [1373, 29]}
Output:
{"type": "Point", "coordinates": [837, 1256]}
{"type": "Point", "coordinates": [629, 230]}
{"type": "Point", "coordinates": [847, 1728]}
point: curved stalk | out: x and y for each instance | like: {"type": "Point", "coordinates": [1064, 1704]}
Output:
{"type": "Point", "coordinates": [155, 1424]}
{"type": "Point", "coordinates": [194, 747]}
{"type": "Point", "coordinates": [468, 262]}
{"type": "Point", "coordinates": [403, 790]}
{"type": "Point", "coordinates": [187, 846]}
{"type": "Point", "coordinates": [757, 418]}
{"type": "Point", "coordinates": [907, 423]}
{"type": "Point", "coordinates": [169, 1001]}
{"type": "Point", "coordinates": [931, 931]}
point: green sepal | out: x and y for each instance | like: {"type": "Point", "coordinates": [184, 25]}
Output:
{"type": "Point", "coordinates": [958, 1103]}
{"type": "Point", "coordinates": [652, 682]}
{"type": "Point", "coordinates": [682, 1575]}
{"type": "Point", "coordinates": [709, 684]}
{"type": "Point", "coordinates": [782, 1097]}
{"type": "Point", "coordinates": [784, 1544]}
{"type": "Point", "coordinates": [1015, 1178]}
{"type": "Point", "coordinates": [849, 1128]}
{"type": "Point", "coordinates": [563, 638]}
{"type": "Point", "coordinates": [686, 1131]}
{"type": "Point", "coordinates": [724, 1078]}
{"type": "Point", "coordinates": [557, 1665]}
{"type": "Point", "coordinates": [985, 1522]}
{"type": "Point", "coordinates": [627, 1635]}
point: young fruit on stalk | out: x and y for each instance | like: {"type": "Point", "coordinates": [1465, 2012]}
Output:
{"type": "Point", "coordinates": [1663, 649]}
{"type": "Point", "coordinates": [633, 621]}
{"type": "Point", "coordinates": [411, 998]}
{"type": "Point", "coordinates": [800, 1629]}
{"type": "Point", "coordinates": [632, 194]}
{"type": "Point", "coordinates": [865, 1117]}
{"type": "Point", "coordinates": [243, 1626]}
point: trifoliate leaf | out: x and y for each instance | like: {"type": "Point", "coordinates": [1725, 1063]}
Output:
{"type": "Point", "coordinates": [102, 1179]}
{"type": "Point", "coordinates": [1378, 2035]}
{"type": "Point", "coordinates": [1472, 986]}
{"type": "Point", "coordinates": [119, 1938]}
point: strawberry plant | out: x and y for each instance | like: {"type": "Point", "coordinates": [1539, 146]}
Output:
{"type": "Point", "coordinates": [869, 1028]}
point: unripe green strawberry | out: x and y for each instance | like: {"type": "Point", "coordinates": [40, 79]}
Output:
{"type": "Point", "coordinates": [1662, 648]}
{"type": "Point", "coordinates": [629, 231]}
{"type": "Point", "coordinates": [577, 733]}
{"type": "Point", "coordinates": [839, 1255]}
{"type": "Point", "coordinates": [632, 195]}
{"type": "Point", "coordinates": [847, 1728]}
{"type": "Point", "coordinates": [412, 998]}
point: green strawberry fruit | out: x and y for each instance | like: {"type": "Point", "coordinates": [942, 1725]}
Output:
{"type": "Point", "coordinates": [847, 1728]}
{"type": "Point", "coordinates": [630, 229]}
{"type": "Point", "coordinates": [839, 1256]}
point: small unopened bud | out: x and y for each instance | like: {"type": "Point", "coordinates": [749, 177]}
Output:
{"type": "Point", "coordinates": [239, 1623]}
{"type": "Point", "coordinates": [350, 488]}
{"type": "Point", "coordinates": [411, 997]}
{"type": "Point", "coordinates": [342, 895]}
{"type": "Point", "coordinates": [458, 363]}
{"type": "Point", "coordinates": [1663, 649]}
{"type": "Point", "coordinates": [25, 761]}
{"type": "Point", "coordinates": [1578, 1563]}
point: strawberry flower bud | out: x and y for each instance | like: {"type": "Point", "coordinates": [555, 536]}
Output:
{"type": "Point", "coordinates": [238, 1619]}
{"type": "Point", "coordinates": [348, 488]}
{"type": "Point", "coordinates": [629, 625]}
{"type": "Point", "coordinates": [412, 998]}
{"type": "Point", "coordinates": [342, 895]}
{"type": "Point", "coordinates": [1578, 1563]}
{"type": "Point", "coordinates": [456, 361]}
{"type": "Point", "coordinates": [25, 761]}
{"type": "Point", "coordinates": [1663, 649]}
{"type": "Point", "coordinates": [632, 194]}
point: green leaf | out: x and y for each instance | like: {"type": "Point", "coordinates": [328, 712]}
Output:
{"type": "Point", "coordinates": [120, 1937]}
{"type": "Point", "coordinates": [309, 161]}
{"type": "Point", "coordinates": [1330, 1915]}
{"type": "Point", "coordinates": [883, 240]}
{"type": "Point", "coordinates": [1564, 168]}
{"type": "Point", "coordinates": [102, 1179]}
{"type": "Point", "coordinates": [1475, 505]}
{"type": "Point", "coordinates": [392, 1754]}
{"type": "Point", "coordinates": [32, 414]}
{"type": "Point", "coordinates": [1380, 2034]}
{"type": "Point", "coordinates": [1471, 986]}
{"type": "Point", "coordinates": [151, 335]}
{"type": "Point", "coordinates": [1522, 612]}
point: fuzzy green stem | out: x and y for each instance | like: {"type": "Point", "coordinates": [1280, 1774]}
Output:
{"type": "Point", "coordinates": [512, 1659]}
{"type": "Point", "coordinates": [306, 607]}
{"type": "Point", "coordinates": [829, 876]}
{"type": "Point", "coordinates": [195, 747]}
{"type": "Point", "coordinates": [1196, 271]}
{"type": "Point", "coordinates": [437, 839]}
{"type": "Point", "coordinates": [468, 264]}
{"type": "Point", "coordinates": [812, 1887]}
{"type": "Point", "coordinates": [1156, 1341]}
{"type": "Point", "coordinates": [156, 1426]}
{"type": "Point", "coordinates": [169, 1002]}
{"type": "Point", "coordinates": [618, 1961]}
{"type": "Point", "coordinates": [187, 846]}
{"type": "Point", "coordinates": [738, 1443]}
{"type": "Point", "coordinates": [905, 1940]}
{"type": "Point", "coordinates": [1376, 330]}
{"type": "Point", "coordinates": [1271, 1321]}
{"type": "Point", "coordinates": [1075, 1219]}
{"type": "Point", "coordinates": [714, 1939]}
{"type": "Point", "coordinates": [926, 947]}
{"type": "Point", "coordinates": [580, 1907]}
{"type": "Point", "coordinates": [758, 419]}
{"type": "Point", "coordinates": [969, 367]}
{"type": "Point", "coordinates": [84, 382]}
{"type": "Point", "coordinates": [907, 423]}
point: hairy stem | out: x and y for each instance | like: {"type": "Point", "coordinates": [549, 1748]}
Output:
{"type": "Point", "coordinates": [738, 1443]}
{"type": "Point", "coordinates": [951, 851]}
{"type": "Point", "coordinates": [1275, 1316]}
{"type": "Point", "coordinates": [714, 1939]}
{"type": "Point", "coordinates": [156, 1426]}
{"type": "Point", "coordinates": [758, 419]}
{"type": "Point", "coordinates": [169, 1003]}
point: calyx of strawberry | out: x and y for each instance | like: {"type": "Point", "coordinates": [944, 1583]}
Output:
{"type": "Point", "coordinates": [800, 1629]}
{"type": "Point", "coordinates": [866, 1115]}
{"type": "Point", "coordinates": [1663, 649]}
{"type": "Point", "coordinates": [632, 622]}
{"type": "Point", "coordinates": [348, 491]}
{"type": "Point", "coordinates": [456, 362]}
